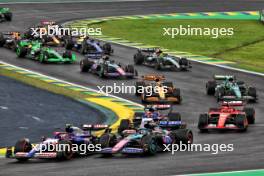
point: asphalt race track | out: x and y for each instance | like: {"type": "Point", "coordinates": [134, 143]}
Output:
{"type": "Point", "coordinates": [248, 147]}
{"type": "Point", "coordinates": [23, 112]}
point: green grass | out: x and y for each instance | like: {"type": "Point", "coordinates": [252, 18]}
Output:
{"type": "Point", "coordinates": [244, 47]}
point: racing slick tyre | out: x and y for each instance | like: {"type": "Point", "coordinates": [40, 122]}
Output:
{"type": "Point", "coordinates": [139, 88]}
{"type": "Point", "coordinates": [68, 153]}
{"type": "Point", "coordinates": [21, 52]}
{"type": "Point", "coordinates": [220, 92]}
{"type": "Point", "coordinates": [2, 39]}
{"type": "Point", "coordinates": [130, 69]}
{"type": "Point", "coordinates": [203, 121]}
{"type": "Point", "coordinates": [138, 58]}
{"type": "Point", "coordinates": [157, 65]}
{"type": "Point", "coordinates": [85, 65]}
{"type": "Point", "coordinates": [149, 145]}
{"type": "Point", "coordinates": [107, 140]}
{"type": "Point", "coordinates": [240, 122]}
{"type": "Point", "coordinates": [177, 93]}
{"type": "Point", "coordinates": [210, 87]}
{"type": "Point", "coordinates": [174, 116]}
{"type": "Point", "coordinates": [185, 136]}
{"type": "Point", "coordinates": [44, 57]}
{"type": "Point", "coordinates": [8, 16]}
{"type": "Point", "coordinates": [68, 44]}
{"type": "Point", "coordinates": [22, 145]}
{"type": "Point", "coordinates": [253, 93]}
{"type": "Point", "coordinates": [183, 62]}
{"type": "Point", "coordinates": [124, 125]}
{"type": "Point", "coordinates": [107, 48]}
{"type": "Point", "coordinates": [67, 54]}
{"type": "Point", "coordinates": [250, 114]}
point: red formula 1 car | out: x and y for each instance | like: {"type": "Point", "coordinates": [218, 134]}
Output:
{"type": "Point", "coordinates": [230, 115]}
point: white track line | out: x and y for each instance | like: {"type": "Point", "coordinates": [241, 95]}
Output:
{"type": "Point", "coordinates": [60, 80]}
{"type": "Point", "coordinates": [63, 2]}
{"type": "Point", "coordinates": [220, 173]}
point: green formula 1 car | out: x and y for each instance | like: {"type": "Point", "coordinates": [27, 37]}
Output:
{"type": "Point", "coordinates": [226, 87]}
{"type": "Point", "coordinates": [5, 14]}
{"type": "Point", "coordinates": [34, 50]}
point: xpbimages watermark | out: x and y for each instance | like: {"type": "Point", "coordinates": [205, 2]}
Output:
{"type": "Point", "coordinates": [125, 89]}
{"type": "Point", "coordinates": [197, 31]}
{"type": "Point", "coordinates": [212, 148]}
{"type": "Point", "coordinates": [56, 30]}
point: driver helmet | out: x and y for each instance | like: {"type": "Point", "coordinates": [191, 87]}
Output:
{"type": "Point", "coordinates": [68, 128]}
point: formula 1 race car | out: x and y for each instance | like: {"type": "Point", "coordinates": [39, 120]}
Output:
{"type": "Point", "coordinates": [227, 87]}
{"type": "Point", "coordinates": [5, 14]}
{"type": "Point", "coordinates": [9, 39]}
{"type": "Point", "coordinates": [48, 32]}
{"type": "Point", "coordinates": [153, 89]}
{"type": "Point", "coordinates": [105, 68]}
{"type": "Point", "coordinates": [34, 50]}
{"type": "Point", "coordinates": [86, 45]}
{"type": "Point", "coordinates": [230, 115]}
{"type": "Point", "coordinates": [156, 112]}
{"type": "Point", "coordinates": [62, 146]}
{"type": "Point", "coordinates": [147, 140]}
{"type": "Point", "coordinates": [154, 57]}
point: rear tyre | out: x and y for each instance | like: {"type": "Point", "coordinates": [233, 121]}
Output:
{"type": "Point", "coordinates": [130, 69]}
{"type": "Point", "coordinates": [220, 93]}
{"type": "Point", "coordinates": [183, 63]}
{"type": "Point", "coordinates": [85, 65]}
{"type": "Point", "coordinates": [21, 52]}
{"type": "Point", "coordinates": [138, 58]}
{"type": "Point", "coordinates": [2, 39]}
{"type": "Point", "coordinates": [177, 93]}
{"type": "Point", "coordinates": [68, 153]}
{"type": "Point", "coordinates": [107, 140]}
{"type": "Point", "coordinates": [184, 135]}
{"type": "Point", "coordinates": [68, 44]}
{"type": "Point", "coordinates": [124, 125]}
{"type": "Point", "coordinates": [22, 145]}
{"type": "Point", "coordinates": [8, 16]}
{"type": "Point", "coordinates": [203, 121]}
{"type": "Point", "coordinates": [240, 122]}
{"type": "Point", "coordinates": [107, 48]}
{"type": "Point", "coordinates": [253, 93]}
{"type": "Point", "coordinates": [149, 145]}
{"type": "Point", "coordinates": [250, 114]}
{"type": "Point", "coordinates": [210, 87]}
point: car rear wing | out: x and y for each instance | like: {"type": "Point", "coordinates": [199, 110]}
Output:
{"type": "Point", "coordinates": [94, 55]}
{"type": "Point", "coordinates": [170, 124]}
{"type": "Point", "coordinates": [94, 127]}
{"type": "Point", "coordinates": [152, 77]}
{"type": "Point", "coordinates": [223, 77]}
{"type": "Point", "coordinates": [148, 50]}
{"type": "Point", "coordinates": [159, 106]}
{"type": "Point", "coordinates": [47, 22]}
{"type": "Point", "coordinates": [232, 103]}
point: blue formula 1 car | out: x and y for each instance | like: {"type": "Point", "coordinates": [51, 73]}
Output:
{"type": "Point", "coordinates": [147, 140]}
{"type": "Point", "coordinates": [62, 146]}
{"type": "Point", "coordinates": [86, 45]}
{"type": "Point", "coordinates": [105, 68]}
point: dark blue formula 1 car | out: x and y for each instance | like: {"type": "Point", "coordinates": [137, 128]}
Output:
{"type": "Point", "coordinates": [105, 68]}
{"type": "Point", "coordinates": [151, 138]}
{"type": "Point", "coordinates": [62, 146]}
{"type": "Point", "coordinates": [86, 45]}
